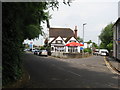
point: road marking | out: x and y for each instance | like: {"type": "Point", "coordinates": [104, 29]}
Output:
{"type": "Point", "coordinates": [74, 73]}
{"type": "Point", "coordinates": [69, 71]}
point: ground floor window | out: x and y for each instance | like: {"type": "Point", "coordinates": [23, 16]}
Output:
{"type": "Point", "coordinates": [60, 48]}
{"type": "Point", "coordinates": [72, 49]}
{"type": "Point", "coordinates": [52, 48]}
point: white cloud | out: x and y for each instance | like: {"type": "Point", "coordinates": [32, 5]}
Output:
{"type": "Point", "coordinates": [96, 13]}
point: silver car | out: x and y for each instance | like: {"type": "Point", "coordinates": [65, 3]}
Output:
{"type": "Point", "coordinates": [43, 53]}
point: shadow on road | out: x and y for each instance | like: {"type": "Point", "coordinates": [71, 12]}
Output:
{"type": "Point", "coordinates": [46, 72]}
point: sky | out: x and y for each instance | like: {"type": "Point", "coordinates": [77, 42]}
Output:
{"type": "Point", "coordinates": [96, 13]}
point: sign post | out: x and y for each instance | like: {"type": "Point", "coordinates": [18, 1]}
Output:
{"type": "Point", "coordinates": [31, 45]}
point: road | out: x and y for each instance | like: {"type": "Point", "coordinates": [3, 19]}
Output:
{"type": "Point", "coordinates": [49, 72]}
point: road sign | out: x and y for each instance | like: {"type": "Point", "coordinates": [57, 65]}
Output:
{"type": "Point", "coordinates": [81, 48]}
{"type": "Point", "coordinates": [31, 45]}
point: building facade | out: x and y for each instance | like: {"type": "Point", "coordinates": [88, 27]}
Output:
{"type": "Point", "coordinates": [59, 37]}
{"type": "Point", "coordinates": [116, 36]}
{"type": "Point", "coordinates": [116, 40]}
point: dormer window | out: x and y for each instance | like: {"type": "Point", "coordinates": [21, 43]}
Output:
{"type": "Point", "coordinates": [59, 41]}
{"type": "Point", "coordinates": [72, 41]}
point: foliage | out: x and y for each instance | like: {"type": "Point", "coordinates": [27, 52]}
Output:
{"type": "Point", "coordinates": [89, 42]}
{"type": "Point", "coordinates": [42, 48]}
{"type": "Point", "coordinates": [20, 21]}
{"type": "Point", "coordinates": [94, 45]}
{"type": "Point", "coordinates": [110, 46]}
{"type": "Point", "coordinates": [79, 39]}
{"type": "Point", "coordinates": [87, 50]}
{"type": "Point", "coordinates": [106, 37]}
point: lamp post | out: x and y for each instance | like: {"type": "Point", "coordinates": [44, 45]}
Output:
{"type": "Point", "coordinates": [83, 35]}
{"type": "Point", "coordinates": [83, 31]}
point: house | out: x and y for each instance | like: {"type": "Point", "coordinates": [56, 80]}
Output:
{"type": "Point", "coordinates": [116, 36]}
{"type": "Point", "coordinates": [59, 37]}
{"type": "Point", "coordinates": [116, 40]}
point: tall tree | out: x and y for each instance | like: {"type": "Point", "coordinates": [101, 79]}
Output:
{"type": "Point", "coordinates": [79, 39]}
{"type": "Point", "coordinates": [20, 21]}
{"type": "Point", "coordinates": [106, 37]}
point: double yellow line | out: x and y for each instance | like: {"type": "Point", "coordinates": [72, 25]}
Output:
{"type": "Point", "coordinates": [113, 69]}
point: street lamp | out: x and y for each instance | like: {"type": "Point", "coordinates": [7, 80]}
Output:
{"type": "Point", "coordinates": [83, 31]}
{"type": "Point", "coordinates": [83, 35]}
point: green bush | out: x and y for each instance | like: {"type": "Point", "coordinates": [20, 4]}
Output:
{"type": "Point", "coordinates": [87, 50]}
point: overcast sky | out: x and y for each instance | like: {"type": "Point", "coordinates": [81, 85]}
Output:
{"type": "Point", "coordinates": [96, 13]}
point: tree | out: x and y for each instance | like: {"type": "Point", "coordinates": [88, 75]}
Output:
{"type": "Point", "coordinates": [94, 45]}
{"type": "Point", "coordinates": [106, 37]}
{"type": "Point", "coordinates": [79, 39]}
{"type": "Point", "coordinates": [20, 21]}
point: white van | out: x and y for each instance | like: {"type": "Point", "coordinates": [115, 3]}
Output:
{"type": "Point", "coordinates": [103, 52]}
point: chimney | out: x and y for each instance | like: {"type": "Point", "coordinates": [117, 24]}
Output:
{"type": "Point", "coordinates": [75, 32]}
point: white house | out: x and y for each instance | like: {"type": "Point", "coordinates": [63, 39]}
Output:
{"type": "Point", "coordinates": [72, 48]}
{"type": "Point", "coordinates": [59, 37]}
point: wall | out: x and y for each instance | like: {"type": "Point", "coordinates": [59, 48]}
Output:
{"type": "Point", "coordinates": [114, 41]}
{"type": "Point", "coordinates": [118, 44]}
{"type": "Point", "coordinates": [69, 55]}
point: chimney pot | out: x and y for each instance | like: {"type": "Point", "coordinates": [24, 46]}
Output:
{"type": "Point", "coordinates": [75, 32]}
{"type": "Point", "coordinates": [75, 27]}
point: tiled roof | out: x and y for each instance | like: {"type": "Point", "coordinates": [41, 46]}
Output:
{"type": "Point", "coordinates": [53, 39]}
{"type": "Point", "coordinates": [69, 39]}
{"type": "Point", "coordinates": [117, 21]}
{"type": "Point", "coordinates": [63, 32]}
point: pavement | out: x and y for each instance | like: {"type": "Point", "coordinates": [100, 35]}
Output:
{"type": "Point", "coordinates": [113, 64]}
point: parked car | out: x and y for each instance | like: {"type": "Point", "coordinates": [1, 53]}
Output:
{"type": "Point", "coordinates": [36, 52]}
{"type": "Point", "coordinates": [26, 49]}
{"type": "Point", "coordinates": [33, 50]}
{"type": "Point", "coordinates": [43, 53]}
{"type": "Point", "coordinates": [103, 52]}
{"type": "Point", "coordinates": [96, 52]}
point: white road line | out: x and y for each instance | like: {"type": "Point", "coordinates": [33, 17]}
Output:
{"type": "Point", "coordinates": [74, 73]}
{"type": "Point", "coordinates": [69, 71]}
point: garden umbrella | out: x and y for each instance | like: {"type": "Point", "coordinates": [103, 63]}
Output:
{"type": "Point", "coordinates": [74, 44]}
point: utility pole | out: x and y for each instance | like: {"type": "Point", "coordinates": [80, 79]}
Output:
{"type": "Point", "coordinates": [83, 36]}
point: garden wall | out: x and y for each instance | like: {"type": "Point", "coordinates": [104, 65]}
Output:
{"type": "Point", "coordinates": [70, 55]}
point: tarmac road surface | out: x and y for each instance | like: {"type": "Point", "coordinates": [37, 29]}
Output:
{"type": "Point", "coordinates": [49, 72]}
